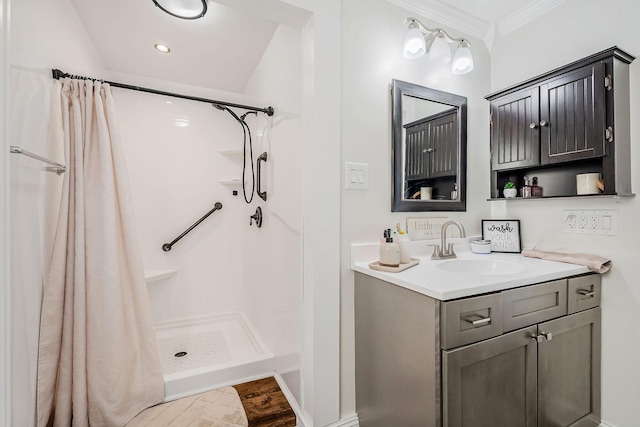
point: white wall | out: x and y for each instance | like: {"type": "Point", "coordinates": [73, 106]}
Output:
{"type": "Point", "coordinates": [5, 294]}
{"type": "Point", "coordinates": [373, 34]}
{"type": "Point", "coordinates": [272, 261]}
{"type": "Point", "coordinates": [174, 175]}
{"type": "Point", "coordinates": [575, 30]}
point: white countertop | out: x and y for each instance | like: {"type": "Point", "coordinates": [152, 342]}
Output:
{"type": "Point", "coordinates": [429, 279]}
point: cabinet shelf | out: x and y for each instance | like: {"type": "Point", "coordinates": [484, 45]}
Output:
{"type": "Point", "coordinates": [231, 181]}
{"type": "Point", "coordinates": [155, 275]}
{"type": "Point", "coordinates": [232, 152]}
{"type": "Point", "coordinates": [586, 196]}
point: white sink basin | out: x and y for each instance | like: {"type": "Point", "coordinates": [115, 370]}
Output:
{"type": "Point", "coordinates": [484, 267]}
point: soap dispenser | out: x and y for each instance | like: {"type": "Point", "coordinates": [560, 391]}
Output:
{"type": "Point", "coordinates": [389, 251]}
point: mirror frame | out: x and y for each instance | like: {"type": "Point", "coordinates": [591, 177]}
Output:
{"type": "Point", "coordinates": [398, 203]}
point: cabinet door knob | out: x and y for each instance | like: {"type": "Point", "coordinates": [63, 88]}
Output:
{"type": "Point", "coordinates": [547, 335]}
{"type": "Point", "coordinates": [538, 338]}
{"type": "Point", "coordinates": [428, 150]}
{"type": "Point", "coordinates": [533, 125]}
{"type": "Point", "coordinates": [543, 123]}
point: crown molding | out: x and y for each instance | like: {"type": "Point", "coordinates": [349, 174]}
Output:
{"type": "Point", "coordinates": [526, 14]}
{"type": "Point", "coordinates": [446, 15]}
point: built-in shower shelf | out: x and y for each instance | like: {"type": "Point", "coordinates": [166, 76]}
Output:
{"type": "Point", "coordinates": [231, 181]}
{"type": "Point", "coordinates": [232, 152]}
{"type": "Point", "coordinates": [155, 275]}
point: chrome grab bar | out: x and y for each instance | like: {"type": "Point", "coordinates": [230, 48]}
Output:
{"type": "Point", "coordinates": [56, 167]}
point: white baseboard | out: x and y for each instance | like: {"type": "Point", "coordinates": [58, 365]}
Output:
{"type": "Point", "coordinates": [603, 424]}
{"type": "Point", "coordinates": [349, 421]}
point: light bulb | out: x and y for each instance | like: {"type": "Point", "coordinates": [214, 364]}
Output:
{"type": "Point", "coordinates": [440, 53]}
{"type": "Point", "coordinates": [462, 60]}
{"type": "Point", "coordinates": [414, 46]}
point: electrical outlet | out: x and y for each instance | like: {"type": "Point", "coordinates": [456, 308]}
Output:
{"type": "Point", "coordinates": [591, 222]}
{"type": "Point", "coordinates": [582, 221]}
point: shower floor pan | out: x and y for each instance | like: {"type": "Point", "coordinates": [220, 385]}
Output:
{"type": "Point", "coordinates": [205, 353]}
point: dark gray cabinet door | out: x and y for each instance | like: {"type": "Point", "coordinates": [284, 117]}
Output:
{"type": "Point", "coordinates": [443, 139]}
{"type": "Point", "coordinates": [569, 371]}
{"type": "Point", "coordinates": [515, 138]}
{"type": "Point", "coordinates": [491, 383]}
{"type": "Point", "coordinates": [432, 147]}
{"type": "Point", "coordinates": [572, 115]}
{"type": "Point", "coordinates": [416, 154]}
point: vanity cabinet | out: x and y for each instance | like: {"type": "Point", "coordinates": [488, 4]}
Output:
{"type": "Point", "coordinates": [431, 146]}
{"type": "Point", "coordinates": [528, 356]}
{"type": "Point", "coordinates": [571, 120]}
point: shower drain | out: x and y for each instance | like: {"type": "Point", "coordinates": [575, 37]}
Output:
{"type": "Point", "coordinates": [190, 351]}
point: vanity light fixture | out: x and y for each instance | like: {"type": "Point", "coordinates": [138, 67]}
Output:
{"type": "Point", "coordinates": [185, 9]}
{"type": "Point", "coordinates": [420, 40]}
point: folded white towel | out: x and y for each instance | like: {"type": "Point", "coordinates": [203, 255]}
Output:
{"type": "Point", "coordinates": [593, 262]}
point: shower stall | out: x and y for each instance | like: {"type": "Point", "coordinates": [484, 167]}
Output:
{"type": "Point", "coordinates": [231, 302]}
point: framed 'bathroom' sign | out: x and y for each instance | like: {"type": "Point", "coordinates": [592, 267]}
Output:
{"type": "Point", "coordinates": [503, 233]}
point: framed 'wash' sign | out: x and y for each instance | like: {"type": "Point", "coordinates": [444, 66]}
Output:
{"type": "Point", "coordinates": [504, 234]}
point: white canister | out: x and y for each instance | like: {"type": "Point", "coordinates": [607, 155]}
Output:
{"type": "Point", "coordinates": [426, 193]}
{"type": "Point", "coordinates": [480, 246]}
{"type": "Point", "coordinates": [404, 243]}
{"type": "Point", "coordinates": [587, 183]}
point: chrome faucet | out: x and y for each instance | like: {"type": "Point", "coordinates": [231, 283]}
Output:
{"type": "Point", "coordinates": [445, 250]}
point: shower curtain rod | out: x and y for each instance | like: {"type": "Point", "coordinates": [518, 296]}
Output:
{"type": "Point", "coordinates": [56, 167]}
{"type": "Point", "coordinates": [57, 74]}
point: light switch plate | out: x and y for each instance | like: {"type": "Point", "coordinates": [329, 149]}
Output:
{"type": "Point", "coordinates": [356, 176]}
{"type": "Point", "coordinates": [425, 228]}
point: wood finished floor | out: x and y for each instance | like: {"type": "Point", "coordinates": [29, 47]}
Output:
{"type": "Point", "coordinates": [265, 404]}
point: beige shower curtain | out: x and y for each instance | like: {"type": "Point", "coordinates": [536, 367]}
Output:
{"type": "Point", "coordinates": [98, 363]}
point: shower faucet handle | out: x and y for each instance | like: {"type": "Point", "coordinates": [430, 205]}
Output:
{"type": "Point", "coordinates": [257, 216]}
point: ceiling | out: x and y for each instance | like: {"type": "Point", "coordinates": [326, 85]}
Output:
{"type": "Point", "coordinates": [218, 51]}
{"type": "Point", "coordinates": [222, 49]}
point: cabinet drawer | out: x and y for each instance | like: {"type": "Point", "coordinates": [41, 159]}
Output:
{"type": "Point", "coordinates": [584, 293]}
{"type": "Point", "coordinates": [470, 320]}
{"type": "Point", "coordinates": [532, 304]}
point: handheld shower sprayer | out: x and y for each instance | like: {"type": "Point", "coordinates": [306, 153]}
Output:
{"type": "Point", "coordinates": [246, 136]}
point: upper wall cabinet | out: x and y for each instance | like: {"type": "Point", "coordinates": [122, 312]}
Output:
{"type": "Point", "coordinates": [566, 122]}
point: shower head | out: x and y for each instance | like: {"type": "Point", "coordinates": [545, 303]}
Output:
{"type": "Point", "coordinates": [242, 117]}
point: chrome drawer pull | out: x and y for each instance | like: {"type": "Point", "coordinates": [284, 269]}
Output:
{"type": "Point", "coordinates": [586, 293]}
{"type": "Point", "coordinates": [477, 322]}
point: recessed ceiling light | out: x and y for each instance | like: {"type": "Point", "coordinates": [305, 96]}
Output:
{"type": "Point", "coordinates": [162, 48]}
